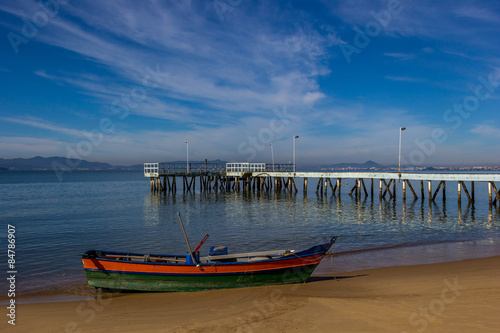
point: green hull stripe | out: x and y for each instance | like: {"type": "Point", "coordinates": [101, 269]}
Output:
{"type": "Point", "coordinates": [144, 282]}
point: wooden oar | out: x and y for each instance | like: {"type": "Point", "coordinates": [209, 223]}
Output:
{"type": "Point", "coordinates": [187, 241]}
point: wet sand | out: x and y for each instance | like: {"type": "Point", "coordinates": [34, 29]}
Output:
{"type": "Point", "coordinates": [461, 296]}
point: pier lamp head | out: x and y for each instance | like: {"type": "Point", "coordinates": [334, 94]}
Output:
{"type": "Point", "coordinates": [402, 128]}
{"type": "Point", "coordinates": [296, 137]}
{"type": "Point", "coordinates": [185, 141]}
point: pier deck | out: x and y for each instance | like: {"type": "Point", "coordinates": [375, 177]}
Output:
{"type": "Point", "coordinates": [280, 177]}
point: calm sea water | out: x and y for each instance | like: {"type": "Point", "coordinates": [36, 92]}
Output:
{"type": "Point", "coordinates": [114, 210]}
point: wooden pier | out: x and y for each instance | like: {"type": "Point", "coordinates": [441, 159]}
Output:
{"type": "Point", "coordinates": [280, 177]}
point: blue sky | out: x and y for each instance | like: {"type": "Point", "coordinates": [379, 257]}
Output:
{"type": "Point", "coordinates": [128, 82]}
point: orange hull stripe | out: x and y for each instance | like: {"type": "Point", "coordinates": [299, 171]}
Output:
{"type": "Point", "coordinates": [204, 268]}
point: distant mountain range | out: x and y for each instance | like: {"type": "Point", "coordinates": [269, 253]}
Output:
{"type": "Point", "coordinates": [343, 166]}
{"type": "Point", "coordinates": [57, 162]}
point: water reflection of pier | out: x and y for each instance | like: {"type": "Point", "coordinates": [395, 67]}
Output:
{"type": "Point", "coordinates": [261, 177]}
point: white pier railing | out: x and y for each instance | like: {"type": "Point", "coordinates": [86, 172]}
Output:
{"type": "Point", "coordinates": [151, 169]}
{"type": "Point", "coordinates": [240, 167]}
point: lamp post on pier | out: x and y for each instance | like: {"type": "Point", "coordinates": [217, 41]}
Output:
{"type": "Point", "coordinates": [187, 156]}
{"type": "Point", "coordinates": [401, 129]}
{"type": "Point", "coordinates": [295, 137]}
{"type": "Point", "coordinates": [272, 153]}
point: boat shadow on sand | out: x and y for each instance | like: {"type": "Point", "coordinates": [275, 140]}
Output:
{"type": "Point", "coordinates": [313, 279]}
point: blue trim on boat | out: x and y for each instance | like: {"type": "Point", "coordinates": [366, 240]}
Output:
{"type": "Point", "coordinates": [305, 253]}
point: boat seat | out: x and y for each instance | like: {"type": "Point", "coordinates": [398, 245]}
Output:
{"type": "Point", "coordinates": [267, 254]}
{"type": "Point", "coordinates": [259, 258]}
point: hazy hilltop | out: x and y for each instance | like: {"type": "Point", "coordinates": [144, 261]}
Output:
{"type": "Point", "coordinates": [57, 162]}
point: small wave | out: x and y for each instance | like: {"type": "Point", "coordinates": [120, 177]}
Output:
{"type": "Point", "coordinates": [78, 293]}
{"type": "Point", "coordinates": [401, 245]}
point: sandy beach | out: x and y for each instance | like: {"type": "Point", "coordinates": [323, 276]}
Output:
{"type": "Point", "coordinates": [461, 296]}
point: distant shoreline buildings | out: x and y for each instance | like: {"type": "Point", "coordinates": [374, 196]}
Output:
{"type": "Point", "coordinates": [60, 163]}
{"type": "Point", "coordinates": [415, 168]}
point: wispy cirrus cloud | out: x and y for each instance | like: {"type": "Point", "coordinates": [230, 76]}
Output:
{"type": "Point", "coordinates": [426, 19]}
{"type": "Point", "coordinates": [400, 56]}
{"type": "Point", "coordinates": [483, 13]}
{"type": "Point", "coordinates": [21, 146]}
{"type": "Point", "coordinates": [254, 70]}
{"type": "Point", "coordinates": [43, 124]}
{"type": "Point", "coordinates": [212, 81]}
{"type": "Point", "coordinates": [221, 80]}
{"type": "Point", "coordinates": [404, 78]}
{"type": "Point", "coordinates": [486, 130]}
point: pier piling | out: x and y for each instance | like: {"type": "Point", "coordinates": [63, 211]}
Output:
{"type": "Point", "coordinates": [260, 177]}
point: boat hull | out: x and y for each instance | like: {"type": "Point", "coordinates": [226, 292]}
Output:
{"type": "Point", "coordinates": [169, 282]}
{"type": "Point", "coordinates": [154, 276]}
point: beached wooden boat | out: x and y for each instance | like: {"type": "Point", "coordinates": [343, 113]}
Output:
{"type": "Point", "coordinates": [156, 272]}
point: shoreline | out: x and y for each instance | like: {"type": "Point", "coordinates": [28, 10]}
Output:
{"type": "Point", "coordinates": [406, 255]}
{"type": "Point", "coordinates": [444, 297]}
{"type": "Point", "coordinates": [337, 263]}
